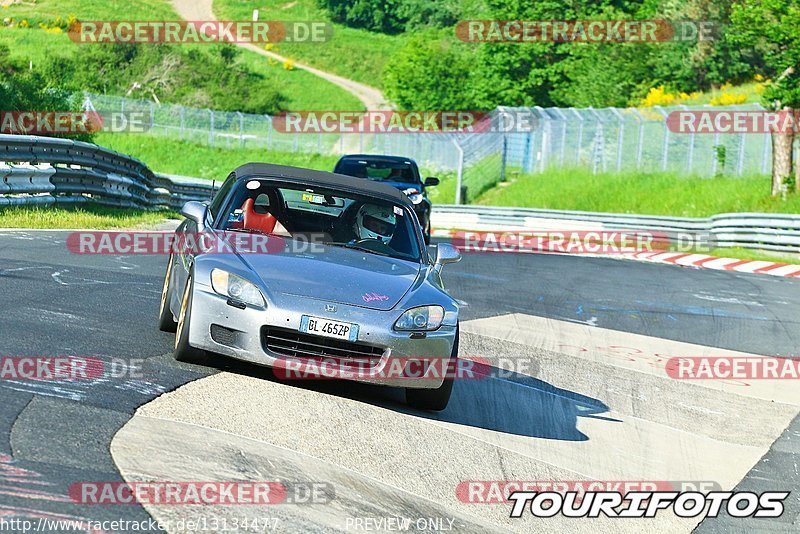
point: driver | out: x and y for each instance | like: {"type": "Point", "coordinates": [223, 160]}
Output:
{"type": "Point", "coordinates": [375, 222]}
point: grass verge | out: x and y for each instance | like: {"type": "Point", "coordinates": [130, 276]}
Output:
{"type": "Point", "coordinates": [171, 156]}
{"type": "Point", "coordinates": [89, 216]}
{"type": "Point", "coordinates": [640, 193]}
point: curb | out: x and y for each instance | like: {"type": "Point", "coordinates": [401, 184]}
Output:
{"type": "Point", "coordinates": [682, 259]}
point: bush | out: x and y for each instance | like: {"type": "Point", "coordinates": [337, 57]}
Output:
{"type": "Point", "coordinates": [208, 77]}
{"type": "Point", "coordinates": [392, 16]}
{"type": "Point", "coordinates": [22, 89]}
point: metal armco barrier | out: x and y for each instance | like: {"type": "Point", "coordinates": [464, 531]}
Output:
{"type": "Point", "coordinates": [45, 171]}
{"type": "Point", "coordinates": [765, 231]}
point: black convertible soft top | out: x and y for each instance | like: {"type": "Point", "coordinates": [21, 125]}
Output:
{"type": "Point", "coordinates": [311, 177]}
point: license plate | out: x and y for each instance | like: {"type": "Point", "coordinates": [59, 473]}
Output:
{"type": "Point", "coordinates": [328, 328]}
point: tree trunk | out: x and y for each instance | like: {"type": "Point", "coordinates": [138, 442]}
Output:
{"type": "Point", "coordinates": [781, 157]}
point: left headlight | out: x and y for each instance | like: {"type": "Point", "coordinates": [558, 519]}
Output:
{"type": "Point", "coordinates": [422, 318]}
{"type": "Point", "coordinates": [236, 287]}
{"type": "Point", "coordinates": [413, 195]}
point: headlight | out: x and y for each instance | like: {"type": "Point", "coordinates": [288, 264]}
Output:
{"type": "Point", "coordinates": [413, 195]}
{"type": "Point", "coordinates": [235, 287]}
{"type": "Point", "coordinates": [422, 318]}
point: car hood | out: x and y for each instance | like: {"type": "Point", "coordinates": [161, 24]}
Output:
{"type": "Point", "coordinates": [336, 274]}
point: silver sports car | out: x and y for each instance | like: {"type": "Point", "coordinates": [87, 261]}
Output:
{"type": "Point", "coordinates": [317, 275]}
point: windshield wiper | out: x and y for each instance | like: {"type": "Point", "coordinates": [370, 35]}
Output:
{"type": "Point", "coordinates": [353, 246]}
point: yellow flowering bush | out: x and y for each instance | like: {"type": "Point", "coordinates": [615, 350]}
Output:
{"type": "Point", "coordinates": [288, 64]}
{"type": "Point", "coordinates": [658, 96]}
{"type": "Point", "coordinates": [728, 99]}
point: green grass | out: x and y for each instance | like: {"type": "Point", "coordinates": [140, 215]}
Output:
{"type": "Point", "coordinates": [641, 193]}
{"type": "Point", "coordinates": [445, 192]}
{"type": "Point", "coordinates": [33, 45]}
{"type": "Point", "coordinates": [90, 216]}
{"type": "Point", "coordinates": [352, 53]}
{"type": "Point", "coordinates": [188, 159]}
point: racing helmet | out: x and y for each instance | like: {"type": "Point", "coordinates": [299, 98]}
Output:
{"type": "Point", "coordinates": [375, 222]}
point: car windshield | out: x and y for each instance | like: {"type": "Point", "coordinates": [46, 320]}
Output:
{"type": "Point", "coordinates": [321, 215]}
{"type": "Point", "coordinates": [379, 170]}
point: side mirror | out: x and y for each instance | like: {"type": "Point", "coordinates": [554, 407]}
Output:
{"type": "Point", "coordinates": [446, 253]}
{"type": "Point", "coordinates": [195, 211]}
{"type": "Point", "coordinates": [431, 181]}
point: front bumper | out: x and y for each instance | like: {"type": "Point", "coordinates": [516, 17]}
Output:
{"type": "Point", "coordinates": [375, 329]}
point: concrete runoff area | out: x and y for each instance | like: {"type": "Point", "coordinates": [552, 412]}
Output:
{"type": "Point", "coordinates": [566, 402]}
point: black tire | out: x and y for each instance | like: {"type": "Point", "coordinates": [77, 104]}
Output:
{"type": "Point", "coordinates": [166, 322]}
{"type": "Point", "coordinates": [427, 233]}
{"type": "Point", "coordinates": [183, 351]}
{"type": "Point", "coordinates": [437, 399]}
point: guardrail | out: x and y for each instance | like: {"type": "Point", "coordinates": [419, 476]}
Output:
{"type": "Point", "coordinates": [46, 171]}
{"type": "Point", "coordinates": [765, 231]}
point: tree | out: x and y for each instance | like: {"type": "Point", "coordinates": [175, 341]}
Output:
{"type": "Point", "coordinates": [771, 28]}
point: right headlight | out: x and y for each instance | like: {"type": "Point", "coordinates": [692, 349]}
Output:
{"type": "Point", "coordinates": [423, 318]}
{"type": "Point", "coordinates": [236, 287]}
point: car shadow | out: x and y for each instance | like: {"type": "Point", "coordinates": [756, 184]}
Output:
{"type": "Point", "coordinates": [499, 400]}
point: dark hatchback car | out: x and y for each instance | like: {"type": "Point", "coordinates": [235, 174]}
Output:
{"type": "Point", "coordinates": [398, 172]}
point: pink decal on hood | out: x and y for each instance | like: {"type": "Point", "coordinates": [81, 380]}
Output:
{"type": "Point", "coordinates": [369, 297]}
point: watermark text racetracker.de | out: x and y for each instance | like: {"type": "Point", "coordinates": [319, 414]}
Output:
{"type": "Point", "coordinates": [66, 123]}
{"type": "Point", "coordinates": [222, 242]}
{"type": "Point", "coordinates": [176, 493]}
{"type": "Point", "coordinates": [70, 368]}
{"type": "Point", "coordinates": [199, 32]}
{"type": "Point", "coordinates": [585, 31]}
{"type": "Point", "coordinates": [405, 122]}
{"type": "Point", "coordinates": [566, 241]}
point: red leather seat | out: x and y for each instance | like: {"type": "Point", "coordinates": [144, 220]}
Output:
{"type": "Point", "coordinates": [263, 222]}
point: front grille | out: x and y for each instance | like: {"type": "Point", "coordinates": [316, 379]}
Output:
{"type": "Point", "coordinates": [299, 345]}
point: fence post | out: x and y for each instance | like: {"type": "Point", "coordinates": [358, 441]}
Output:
{"type": "Point", "coordinates": [183, 121]}
{"type": "Point", "coordinates": [459, 171]}
{"type": "Point", "coordinates": [241, 128]}
{"type": "Point", "coordinates": [690, 154]}
{"type": "Point", "coordinates": [640, 138]}
{"type": "Point", "coordinates": [580, 136]}
{"type": "Point", "coordinates": [563, 136]}
{"type": "Point", "coordinates": [545, 128]}
{"type": "Point", "coordinates": [211, 130]}
{"type": "Point", "coordinates": [620, 137]}
{"type": "Point", "coordinates": [740, 163]}
{"type": "Point", "coordinates": [269, 131]}
{"type": "Point", "coordinates": [665, 152]}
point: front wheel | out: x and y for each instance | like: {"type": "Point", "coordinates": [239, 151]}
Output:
{"type": "Point", "coordinates": [166, 322]}
{"type": "Point", "coordinates": [184, 352]}
{"type": "Point", "coordinates": [436, 399]}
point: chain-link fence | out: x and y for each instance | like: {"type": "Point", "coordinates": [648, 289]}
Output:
{"type": "Point", "coordinates": [603, 140]}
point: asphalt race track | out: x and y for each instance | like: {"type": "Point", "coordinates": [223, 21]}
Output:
{"type": "Point", "coordinates": [594, 402]}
